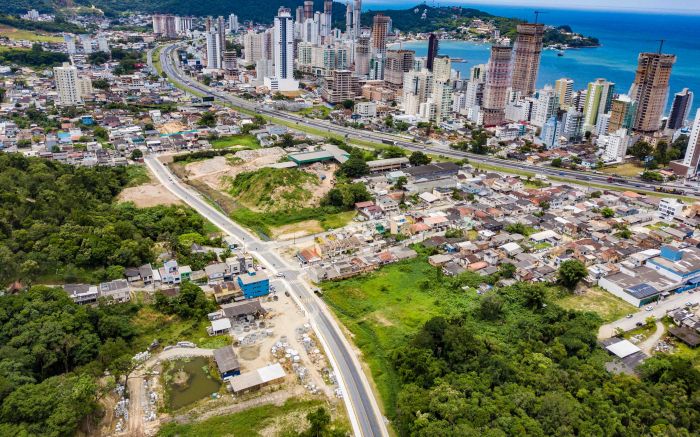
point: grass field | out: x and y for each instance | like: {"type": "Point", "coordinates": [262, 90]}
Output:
{"type": "Point", "coordinates": [138, 175]}
{"type": "Point", "coordinates": [628, 169]}
{"type": "Point", "coordinates": [258, 421]}
{"type": "Point", "coordinates": [316, 111]}
{"type": "Point", "coordinates": [599, 301]}
{"type": "Point", "coordinates": [245, 140]}
{"type": "Point", "coordinates": [28, 35]}
{"type": "Point", "coordinates": [384, 308]}
{"type": "Point", "coordinates": [151, 324]}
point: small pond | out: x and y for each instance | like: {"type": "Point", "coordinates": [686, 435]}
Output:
{"type": "Point", "coordinates": [188, 381]}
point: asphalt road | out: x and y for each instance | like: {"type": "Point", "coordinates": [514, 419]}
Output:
{"type": "Point", "coordinates": [364, 411]}
{"type": "Point", "coordinates": [577, 177]}
{"type": "Point", "coordinates": [658, 311]}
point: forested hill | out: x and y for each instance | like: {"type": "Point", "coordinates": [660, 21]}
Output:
{"type": "Point", "coordinates": [258, 11]}
{"type": "Point", "coordinates": [59, 223]}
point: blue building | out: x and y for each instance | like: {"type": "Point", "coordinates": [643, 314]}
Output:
{"type": "Point", "coordinates": [254, 284]}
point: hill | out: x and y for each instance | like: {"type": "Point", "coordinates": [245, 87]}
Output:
{"type": "Point", "coordinates": [272, 189]}
{"type": "Point", "coordinates": [261, 12]}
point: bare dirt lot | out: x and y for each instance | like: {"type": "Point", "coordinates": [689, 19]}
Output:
{"type": "Point", "coordinates": [297, 230]}
{"type": "Point", "coordinates": [212, 171]}
{"type": "Point", "coordinates": [148, 195]}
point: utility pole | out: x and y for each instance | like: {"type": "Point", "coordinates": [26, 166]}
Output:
{"type": "Point", "coordinates": [537, 15]}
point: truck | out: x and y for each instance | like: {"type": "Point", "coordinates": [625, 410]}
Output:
{"type": "Point", "coordinates": [389, 142]}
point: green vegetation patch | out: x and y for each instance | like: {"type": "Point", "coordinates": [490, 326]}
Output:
{"type": "Point", "coordinates": [251, 422]}
{"type": "Point", "coordinates": [512, 361]}
{"type": "Point", "coordinates": [384, 308]}
{"type": "Point", "coordinates": [245, 140]}
{"type": "Point", "coordinates": [274, 189]}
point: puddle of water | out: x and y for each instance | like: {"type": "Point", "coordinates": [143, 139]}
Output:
{"type": "Point", "coordinates": [189, 381]}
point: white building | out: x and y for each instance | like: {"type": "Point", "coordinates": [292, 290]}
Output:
{"type": "Point", "coordinates": [366, 109]}
{"type": "Point", "coordinates": [66, 78]}
{"type": "Point", "coordinates": [213, 50]}
{"type": "Point", "coordinates": [669, 208]}
{"type": "Point", "coordinates": [614, 145]}
{"type": "Point", "coordinates": [283, 49]}
{"type": "Point", "coordinates": [545, 107]}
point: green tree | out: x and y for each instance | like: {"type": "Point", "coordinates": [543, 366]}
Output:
{"type": "Point", "coordinates": [571, 272]}
{"type": "Point", "coordinates": [354, 167]}
{"type": "Point", "coordinates": [208, 119]}
{"type": "Point", "coordinates": [556, 162]}
{"type": "Point", "coordinates": [607, 212]}
{"type": "Point", "coordinates": [100, 84]}
{"type": "Point", "coordinates": [136, 154]}
{"type": "Point", "coordinates": [419, 158]}
{"type": "Point", "coordinates": [640, 150]}
{"type": "Point", "coordinates": [393, 152]}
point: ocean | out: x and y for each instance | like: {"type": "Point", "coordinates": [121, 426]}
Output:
{"type": "Point", "coordinates": [623, 35]}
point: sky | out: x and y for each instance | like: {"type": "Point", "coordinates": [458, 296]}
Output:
{"type": "Point", "coordinates": [668, 6]}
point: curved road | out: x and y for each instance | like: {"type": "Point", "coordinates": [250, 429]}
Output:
{"type": "Point", "coordinates": [363, 409]}
{"type": "Point", "coordinates": [582, 178]}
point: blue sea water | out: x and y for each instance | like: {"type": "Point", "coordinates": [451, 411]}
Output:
{"type": "Point", "coordinates": [623, 36]}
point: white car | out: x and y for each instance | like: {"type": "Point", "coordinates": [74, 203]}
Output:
{"type": "Point", "coordinates": [280, 275]}
{"type": "Point", "coordinates": [649, 308]}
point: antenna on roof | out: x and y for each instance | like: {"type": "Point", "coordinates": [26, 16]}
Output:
{"type": "Point", "coordinates": [661, 44]}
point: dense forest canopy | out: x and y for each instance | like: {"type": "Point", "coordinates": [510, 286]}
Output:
{"type": "Point", "coordinates": [59, 221]}
{"type": "Point", "coordinates": [519, 365]}
{"type": "Point", "coordinates": [54, 354]}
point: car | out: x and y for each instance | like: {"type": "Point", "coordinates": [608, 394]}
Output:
{"type": "Point", "coordinates": [649, 308]}
{"type": "Point", "coordinates": [689, 304]}
{"type": "Point", "coordinates": [280, 275]}
{"type": "Point", "coordinates": [639, 324]}
{"type": "Point", "coordinates": [629, 316]}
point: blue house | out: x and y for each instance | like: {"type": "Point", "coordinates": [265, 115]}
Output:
{"type": "Point", "coordinates": [254, 284]}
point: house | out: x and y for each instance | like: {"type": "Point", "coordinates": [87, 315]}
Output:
{"type": "Point", "coordinates": [215, 272]}
{"type": "Point", "coordinates": [254, 285]}
{"type": "Point", "coordinates": [681, 265]}
{"type": "Point", "coordinates": [185, 273]}
{"type": "Point", "coordinates": [170, 273]}
{"type": "Point", "coordinates": [146, 273]}
{"type": "Point", "coordinates": [132, 274]}
{"type": "Point", "coordinates": [246, 308]}
{"type": "Point", "coordinates": [118, 290]}
{"type": "Point", "coordinates": [227, 362]}
{"type": "Point", "coordinates": [82, 294]}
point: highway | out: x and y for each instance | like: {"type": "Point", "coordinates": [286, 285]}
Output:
{"type": "Point", "coordinates": [171, 68]}
{"type": "Point", "coordinates": [363, 409]}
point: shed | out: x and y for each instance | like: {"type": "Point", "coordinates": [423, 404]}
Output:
{"type": "Point", "coordinates": [623, 348]}
{"type": "Point", "coordinates": [227, 362]}
{"type": "Point", "coordinates": [257, 378]}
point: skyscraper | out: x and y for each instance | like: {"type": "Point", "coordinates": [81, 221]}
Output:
{"type": "Point", "coordinates": [565, 90]}
{"type": "Point", "coordinates": [680, 109]}
{"type": "Point", "coordinates": [598, 101]}
{"type": "Point", "coordinates": [66, 78]}
{"type": "Point", "coordinates": [622, 111]}
{"type": "Point", "coordinates": [349, 20]}
{"type": "Point", "coordinates": [356, 15]}
{"type": "Point", "coordinates": [650, 90]}
{"type": "Point", "coordinates": [442, 68]}
{"type": "Point", "coordinates": [213, 49]}
{"type": "Point", "coordinates": [398, 62]}
{"type": "Point", "coordinates": [433, 47]}
{"type": "Point", "coordinates": [308, 9]}
{"type": "Point", "coordinates": [526, 57]}
{"type": "Point", "coordinates": [327, 18]}
{"type": "Point", "coordinates": [362, 55]}
{"type": "Point", "coordinates": [496, 88]}
{"type": "Point", "coordinates": [692, 153]}
{"type": "Point", "coordinates": [283, 51]}
{"type": "Point", "coordinates": [380, 32]}
{"type": "Point", "coordinates": [221, 28]}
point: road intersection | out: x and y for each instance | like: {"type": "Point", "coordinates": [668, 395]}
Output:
{"type": "Point", "coordinates": [362, 406]}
